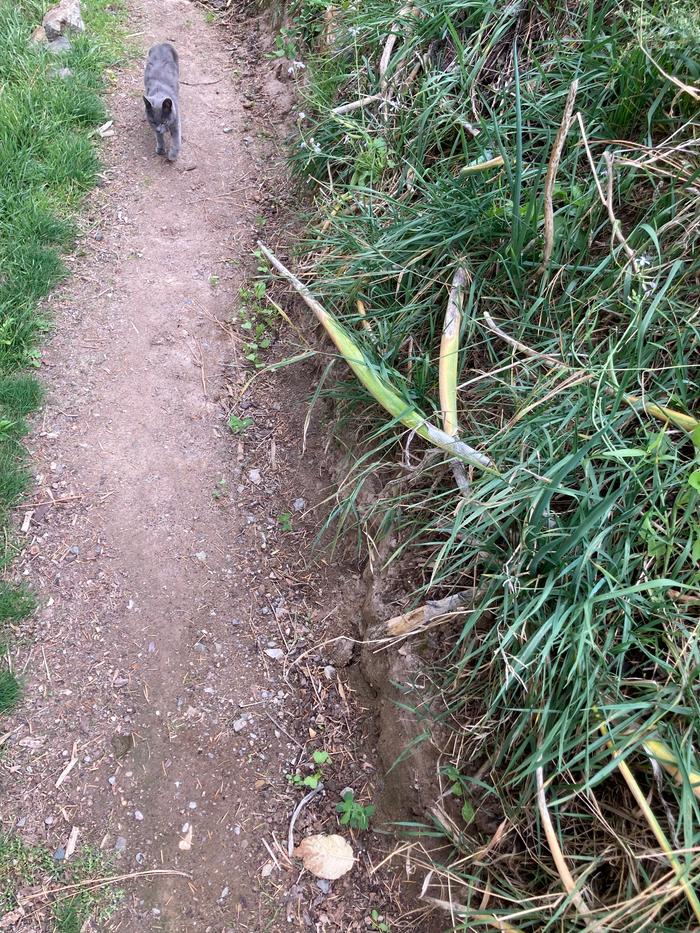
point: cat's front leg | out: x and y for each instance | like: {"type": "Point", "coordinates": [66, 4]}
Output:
{"type": "Point", "coordinates": [160, 143]}
{"type": "Point", "coordinates": [175, 141]}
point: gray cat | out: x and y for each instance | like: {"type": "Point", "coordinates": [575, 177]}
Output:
{"type": "Point", "coordinates": [162, 97]}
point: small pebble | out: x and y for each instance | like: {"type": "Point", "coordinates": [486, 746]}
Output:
{"type": "Point", "coordinates": [120, 844]}
{"type": "Point", "coordinates": [275, 653]}
{"type": "Point", "coordinates": [299, 504]}
{"type": "Point", "coordinates": [192, 804]}
{"type": "Point", "coordinates": [138, 815]}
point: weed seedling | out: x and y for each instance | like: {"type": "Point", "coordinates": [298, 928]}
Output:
{"type": "Point", "coordinates": [378, 922]}
{"type": "Point", "coordinates": [353, 813]}
{"type": "Point", "coordinates": [284, 520]}
{"type": "Point", "coordinates": [320, 758]}
{"type": "Point", "coordinates": [254, 319]}
{"type": "Point", "coordinates": [239, 425]}
{"type": "Point", "coordinates": [220, 490]}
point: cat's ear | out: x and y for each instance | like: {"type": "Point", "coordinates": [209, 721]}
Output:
{"type": "Point", "coordinates": [149, 105]}
{"type": "Point", "coordinates": [167, 106]}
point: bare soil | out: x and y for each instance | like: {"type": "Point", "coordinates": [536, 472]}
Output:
{"type": "Point", "coordinates": [174, 660]}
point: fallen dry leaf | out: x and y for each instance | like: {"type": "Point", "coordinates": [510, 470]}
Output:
{"type": "Point", "coordinates": [185, 844]}
{"type": "Point", "coordinates": [328, 857]}
{"type": "Point", "coordinates": [32, 741]}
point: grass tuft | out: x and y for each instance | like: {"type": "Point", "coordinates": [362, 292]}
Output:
{"type": "Point", "coordinates": [577, 374]}
{"type": "Point", "coordinates": [48, 162]}
{"type": "Point", "coordinates": [24, 867]}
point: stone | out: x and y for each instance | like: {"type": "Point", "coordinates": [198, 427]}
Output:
{"type": "Point", "coordinates": [58, 46]}
{"type": "Point", "coordinates": [120, 844]}
{"type": "Point", "coordinates": [339, 652]}
{"type": "Point", "coordinates": [66, 17]}
{"type": "Point", "coordinates": [275, 653]}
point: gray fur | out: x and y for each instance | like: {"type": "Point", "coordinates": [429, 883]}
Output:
{"type": "Point", "coordinates": [162, 97]}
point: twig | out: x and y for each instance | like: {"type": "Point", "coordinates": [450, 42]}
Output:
{"type": "Point", "coordinates": [282, 729]}
{"type": "Point", "coordinates": [74, 759]}
{"type": "Point", "coordinates": [202, 83]}
{"type": "Point", "coordinates": [299, 807]}
{"type": "Point", "coordinates": [552, 168]}
{"type": "Point", "coordinates": [356, 104]}
{"type": "Point", "coordinates": [100, 882]}
{"type": "Point", "coordinates": [552, 360]}
{"type": "Point", "coordinates": [272, 854]}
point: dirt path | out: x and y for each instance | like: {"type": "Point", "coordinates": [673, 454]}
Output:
{"type": "Point", "coordinates": [154, 657]}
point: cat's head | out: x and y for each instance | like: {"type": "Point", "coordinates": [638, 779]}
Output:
{"type": "Point", "coordinates": [160, 113]}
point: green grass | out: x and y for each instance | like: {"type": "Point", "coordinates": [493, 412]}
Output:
{"type": "Point", "coordinates": [48, 161]}
{"type": "Point", "coordinates": [586, 544]}
{"type": "Point", "coordinates": [23, 867]}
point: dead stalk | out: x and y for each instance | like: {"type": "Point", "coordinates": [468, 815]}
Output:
{"type": "Point", "coordinates": [555, 849]}
{"type": "Point", "coordinates": [356, 104]}
{"type": "Point", "coordinates": [607, 201]}
{"type": "Point", "coordinates": [552, 168]}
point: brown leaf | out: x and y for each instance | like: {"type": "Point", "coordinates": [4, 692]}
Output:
{"type": "Point", "coordinates": [328, 857]}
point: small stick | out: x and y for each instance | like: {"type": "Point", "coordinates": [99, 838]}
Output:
{"type": "Point", "coordinates": [100, 882]}
{"type": "Point", "coordinates": [272, 854]}
{"type": "Point", "coordinates": [552, 360]}
{"type": "Point", "coordinates": [300, 806]}
{"type": "Point", "coordinates": [201, 83]}
{"type": "Point", "coordinates": [356, 104]}
{"type": "Point", "coordinates": [72, 841]}
{"type": "Point", "coordinates": [281, 728]}
{"type": "Point", "coordinates": [69, 767]}
{"type": "Point", "coordinates": [554, 160]}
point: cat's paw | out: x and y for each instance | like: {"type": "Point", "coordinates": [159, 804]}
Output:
{"type": "Point", "coordinates": [172, 156]}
